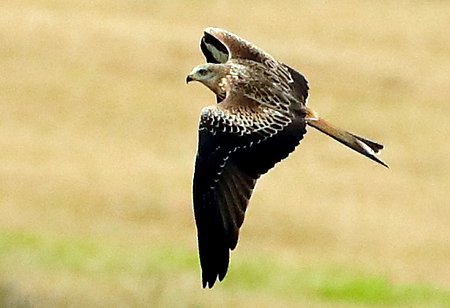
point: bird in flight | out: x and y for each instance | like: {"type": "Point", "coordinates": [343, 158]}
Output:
{"type": "Point", "coordinates": [259, 119]}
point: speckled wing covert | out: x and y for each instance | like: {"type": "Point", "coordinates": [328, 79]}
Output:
{"type": "Point", "coordinates": [259, 122]}
{"type": "Point", "coordinates": [218, 46]}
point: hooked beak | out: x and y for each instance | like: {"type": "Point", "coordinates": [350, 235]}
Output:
{"type": "Point", "coordinates": [189, 78]}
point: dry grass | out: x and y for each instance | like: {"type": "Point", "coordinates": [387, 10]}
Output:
{"type": "Point", "coordinates": [98, 136]}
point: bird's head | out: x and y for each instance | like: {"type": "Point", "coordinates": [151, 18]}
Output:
{"type": "Point", "coordinates": [209, 74]}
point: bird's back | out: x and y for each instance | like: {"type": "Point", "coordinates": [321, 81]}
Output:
{"type": "Point", "coordinates": [271, 87]}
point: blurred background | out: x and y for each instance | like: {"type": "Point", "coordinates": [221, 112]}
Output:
{"type": "Point", "coordinates": [98, 135]}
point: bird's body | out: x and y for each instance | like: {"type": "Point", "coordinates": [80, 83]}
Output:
{"type": "Point", "coordinates": [260, 118]}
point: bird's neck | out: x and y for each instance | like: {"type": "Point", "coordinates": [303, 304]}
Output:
{"type": "Point", "coordinates": [221, 84]}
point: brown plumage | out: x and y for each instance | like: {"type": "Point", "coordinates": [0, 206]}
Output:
{"type": "Point", "coordinates": [260, 118]}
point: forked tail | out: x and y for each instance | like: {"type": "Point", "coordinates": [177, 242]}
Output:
{"type": "Point", "coordinates": [359, 144]}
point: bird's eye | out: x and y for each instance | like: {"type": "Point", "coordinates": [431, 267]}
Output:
{"type": "Point", "coordinates": [202, 72]}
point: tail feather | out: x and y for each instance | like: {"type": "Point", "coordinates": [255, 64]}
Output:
{"type": "Point", "coordinates": [361, 145]}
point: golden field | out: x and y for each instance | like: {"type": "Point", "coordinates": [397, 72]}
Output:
{"type": "Point", "coordinates": [98, 135]}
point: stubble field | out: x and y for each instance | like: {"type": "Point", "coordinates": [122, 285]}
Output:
{"type": "Point", "coordinates": [98, 135]}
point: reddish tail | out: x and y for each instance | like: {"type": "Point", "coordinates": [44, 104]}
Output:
{"type": "Point", "coordinates": [361, 145]}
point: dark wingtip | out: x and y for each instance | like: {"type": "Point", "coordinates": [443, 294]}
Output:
{"type": "Point", "coordinates": [208, 283]}
{"type": "Point", "coordinates": [209, 39]}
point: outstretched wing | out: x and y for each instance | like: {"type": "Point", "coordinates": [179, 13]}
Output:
{"type": "Point", "coordinates": [219, 46]}
{"type": "Point", "coordinates": [239, 140]}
